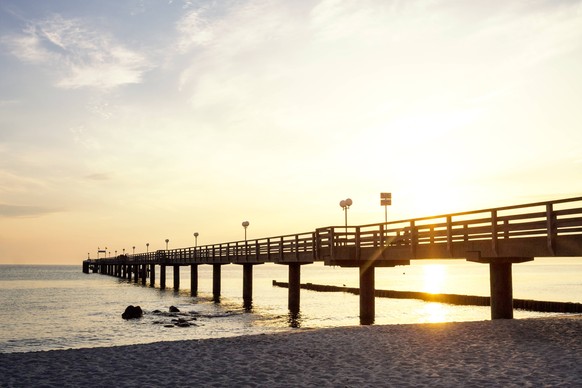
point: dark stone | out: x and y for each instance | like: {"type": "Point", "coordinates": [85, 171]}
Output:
{"type": "Point", "coordinates": [132, 312]}
{"type": "Point", "coordinates": [174, 309]}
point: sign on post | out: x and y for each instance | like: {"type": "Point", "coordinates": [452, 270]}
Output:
{"type": "Point", "coordinates": [385, 200]}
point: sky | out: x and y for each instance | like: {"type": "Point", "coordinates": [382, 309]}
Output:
{"type": "Point", "coordinates": [130, 122]}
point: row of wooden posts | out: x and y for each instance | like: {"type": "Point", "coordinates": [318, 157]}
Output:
{"type": "Point", "coordinates": [142, 272]}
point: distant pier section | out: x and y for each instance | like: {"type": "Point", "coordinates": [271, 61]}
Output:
{"type": "Point", "coordinates": [498, 237]}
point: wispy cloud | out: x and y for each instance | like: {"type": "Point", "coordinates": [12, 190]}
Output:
{"type": "Point", "coordinates": [98, 177]}
{"type": "Point", "coordinates": [14, 211]}
{"type": "Point", "coordinates": [81, 56]}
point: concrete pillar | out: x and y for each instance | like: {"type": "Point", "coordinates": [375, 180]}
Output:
{"type": "Point", "coordinates": [152, 275]}
{"type": "Point", "coordinates": [194, 280]}
{"type": "Point", "coordinates": [501, 284]}
{"type": "Point", "coordinates": [216, 282]}
{"type": "Point", "coordinates": [129, 271]}
{"type": "Point", "coordinates": [163, 276]}
{"type": "Point", "coordinates": [294, 287]}
{"type": "Point", "coordinates": [367, 298]}
{"type": "Point", "coordinates": [248, 286]}
{"type": "Point", "coordinates": [176, 277]}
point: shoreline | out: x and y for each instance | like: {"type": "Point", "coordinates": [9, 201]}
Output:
{"type": "Point", "coordinates": [524, 352]}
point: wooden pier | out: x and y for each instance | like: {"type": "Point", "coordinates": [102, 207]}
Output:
{"type": "Point", "coordinates": [499, 237]}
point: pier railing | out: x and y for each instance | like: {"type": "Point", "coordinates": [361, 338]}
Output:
{"type": "Point", "coordinates": [542, 229]}
{"type": "Point", "coordinates": [551, 228]}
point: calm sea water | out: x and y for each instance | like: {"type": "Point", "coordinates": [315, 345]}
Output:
{"type": "Point", "coordinates": [59, 307]}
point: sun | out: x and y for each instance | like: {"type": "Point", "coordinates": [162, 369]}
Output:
{"type": "Point", "coordinates": [434, 278]}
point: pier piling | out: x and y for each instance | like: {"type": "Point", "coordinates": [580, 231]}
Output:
{"type": "Point", "coordinates": [162, 276]}
{"type": "Point", "coordinates": [247, 286]}
{"type": "Point", "coordinates": [152, 275]}
{"type": "Point", "coordinates": [216, 282]}
{"type": "Point", "coordinates": [194, 280]}
{"type": "Point", "coordinates": [176, 277]}
{"type": "Point", "coordinates": [367, 300]}
{"type": "Point", "coordinates": [294, 287]}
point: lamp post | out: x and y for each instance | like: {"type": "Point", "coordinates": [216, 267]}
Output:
{"type": "Point", "coordinates": [147, 247]}
{"type": "Point", "coordinates": [196, 234]}
{"type": "Point", "coordinates": [345, 204]}
{"type": "Point", "coordinates": [167, 241]}
{"type": "Point", "coordinates": [245, 225]}
{"type": "Point", "coordinates": [124, 251]}
{"type": "Point", "coordinates": [133, 247]}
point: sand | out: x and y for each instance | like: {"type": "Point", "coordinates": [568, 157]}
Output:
{"type": "Point", "coordinates": [501, 353]}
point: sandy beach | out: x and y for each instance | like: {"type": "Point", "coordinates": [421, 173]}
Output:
{"type": "Point", "coordinates": [527, 352]}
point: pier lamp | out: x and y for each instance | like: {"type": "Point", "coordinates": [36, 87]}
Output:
{"type": "Point", "coordinates": [345, 204]}
{"type": "Point", "coordinates": [124, 251]}
{"type": "Point", "coordinates": [115, 253]}
{"type": "Point", "coordinates": [245, 225]}
{"type": "Point", "coordinates": [147, 247]}
{"type": "Point", "coordinates": [167, 241]}
{"type": "Point", "coordinates": [196, 234]}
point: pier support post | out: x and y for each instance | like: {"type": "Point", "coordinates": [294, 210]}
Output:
{"type": "Point", "coordinates": [247, 286]}
{"type": "Point", "coordinates": [216, 282]}
{"type": "Point", "coordinates": [294, 287]}
{"type": "Point", "coordinates": [194, 280]}
{"type": "Point", "coordinates": [367, 291]}
{"type": "Point", "coordinates": [162, 276]}
{"type": "Point", "coordinates": [176, 277]}
{"type": "Point", "coordinates": [135, 273]}
{"type": "Point", "coordinates": [501, 290]}
{"type": "Point", "coordinates": [144, 274]}
{"type": "Point", "coordinates": [152, 275]}
{"type": "Point", "coordinates": [501, 284]}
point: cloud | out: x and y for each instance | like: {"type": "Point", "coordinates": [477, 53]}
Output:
{"type": "Point", "coordinates": [81, 56]}
{"type": "Point", "coordinates": [98, 177]}
{"type": "Point", "coordinates": [15, 211]}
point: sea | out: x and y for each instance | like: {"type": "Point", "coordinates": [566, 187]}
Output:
{"type": "Point", "coordinates": [52, 307]}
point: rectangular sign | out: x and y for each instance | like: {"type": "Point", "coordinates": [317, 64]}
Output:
{"type": "Point", "coordinates": [385, 199]}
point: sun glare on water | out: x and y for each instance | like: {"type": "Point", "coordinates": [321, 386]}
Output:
{"type": "Point", "coordinates": [433, 312]}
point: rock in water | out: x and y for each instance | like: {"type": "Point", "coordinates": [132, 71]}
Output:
{"type": "Point", "coordinates": [132, 312]}
{"type": "Point", "coordinates": [174, 309]}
